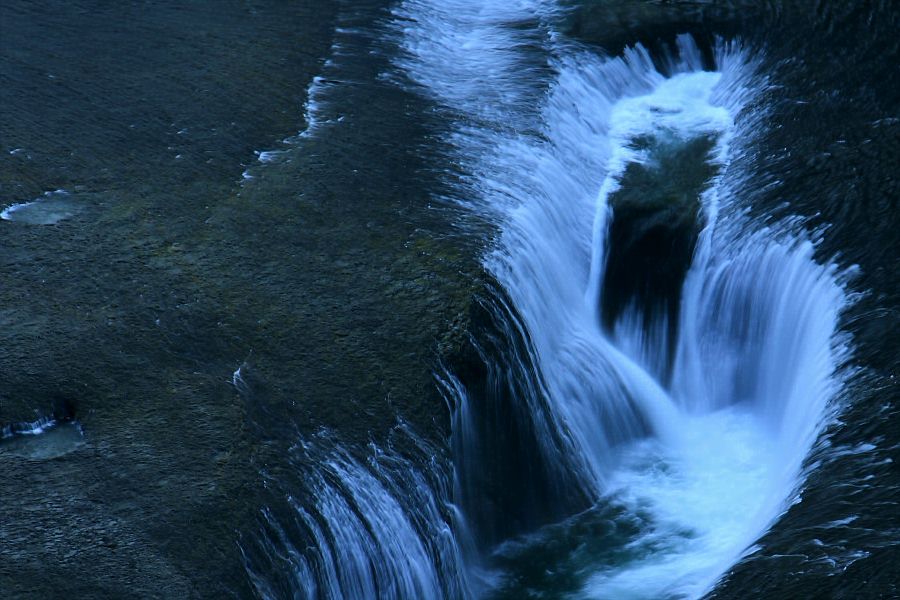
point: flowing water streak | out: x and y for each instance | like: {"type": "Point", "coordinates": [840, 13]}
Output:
{"type": "Point", "coordinates": [373, 529]}
{"type": "Point", "coordinates": [319, 110]}
{"type": "Point", "coordinates": [707, 463]}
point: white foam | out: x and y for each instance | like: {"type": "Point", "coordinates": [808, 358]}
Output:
{"type": "Point", "coordinates": [706, 500]}
{"type": "Point", "coordinates": [268, 155]}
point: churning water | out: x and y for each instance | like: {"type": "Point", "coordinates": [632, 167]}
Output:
{"type": "Point", "coordinates": [690, 414]}
{"type": "Point", "coordinates": [675, 358]}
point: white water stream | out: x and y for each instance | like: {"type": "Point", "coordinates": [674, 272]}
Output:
{"type": "Point", "coordinates": [755, 360]}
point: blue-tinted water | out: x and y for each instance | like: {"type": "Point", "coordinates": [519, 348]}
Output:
{"type": "Point", "coordinates": [449, 299]}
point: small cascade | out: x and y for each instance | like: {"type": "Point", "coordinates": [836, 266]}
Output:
{"type": "Point", "coordinates": [375, 528]}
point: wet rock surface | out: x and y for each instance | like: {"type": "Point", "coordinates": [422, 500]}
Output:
{"type": "Point", "coordinates": [655, 223]}
{"type": "Point", "coordinates": [139, 306]}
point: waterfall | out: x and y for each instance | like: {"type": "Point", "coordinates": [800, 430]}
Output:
{"type": "Point", "coordinates": [651, 361]}
{"type": "Point", "coordinates": [678, 355]}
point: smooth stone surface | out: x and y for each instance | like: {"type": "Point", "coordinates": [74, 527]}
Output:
{"type": "Point", "coordinates": [52, 442]}
{"type": "Point", "coordinates": [49, 209]}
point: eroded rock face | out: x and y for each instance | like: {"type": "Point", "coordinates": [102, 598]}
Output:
{"type": "Point", "coordinates": [655, 223]}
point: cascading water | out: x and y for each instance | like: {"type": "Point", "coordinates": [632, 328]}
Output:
{"type": "Point", "coordinates": [375, 528]}
{"type": "Point", "coordinates": [652, 369]}
{"type": "Point", "coordinates": [682, 393]}
{"type": "Point", "coordinates": [538, 298]}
